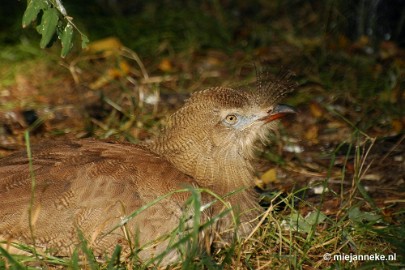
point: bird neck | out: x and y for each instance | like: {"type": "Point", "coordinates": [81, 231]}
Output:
{"type": "Point", "coordinates": [221, 170]}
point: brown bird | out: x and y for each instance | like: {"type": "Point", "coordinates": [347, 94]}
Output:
{"type": "Point", "coordinates": [92, 187]}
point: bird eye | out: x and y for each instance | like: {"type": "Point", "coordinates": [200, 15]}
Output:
{"type": "Point", "coordinates": [231, 119]}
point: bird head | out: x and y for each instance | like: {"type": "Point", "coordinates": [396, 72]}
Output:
{"type": "Point", "coordinates": [223, 123]}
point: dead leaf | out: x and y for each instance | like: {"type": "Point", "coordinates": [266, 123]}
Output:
{"type": "Point", "coordinates": [361, 43]}
{"type": "Point", "coordinates": [312, 134]}
{"type": "Point", "coordinates": [397, 125]}
{"type": "Point", "coordinates": [111, 74]}
{"type": "Point", "coordinates": [103, 80]}
{"type": "Point", "coordinates": [343, 41]}
{"type": "Point", "coordinates": [270, 176]}
{"type": "Point", "coordinates": [124, 67]}
{"type": "Point", "coordinates": [335, 125]}
{"type": "Point", "coordinates": [165, 65]}
{"type": "Point", "coordinates": [316, 110]}
{"type": "Point", "coordinates": [109, 44]}
{"type": "Point", "coordinates": [388, 49]}
{"type": "Point", "coordinates": [371, 177]}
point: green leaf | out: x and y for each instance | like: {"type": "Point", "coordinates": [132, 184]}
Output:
{"type": "Point", "coordinates": [66, 40]}
{"type": "Point", "coordinates": [315, 218]}
{"type": "Point", "coordinates": [356, 215]}
{"type": "Point", "coordinates": [299, 223]}
{"type": "Point", "coordinates": [85, 41]}
{"type": "Point", "coordinates": [48, 26]}
{"type": "Point", "coordinates": [31, 13]}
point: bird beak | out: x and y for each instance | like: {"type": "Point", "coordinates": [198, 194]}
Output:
{"type": "Point", "coordinates": [278, 111]}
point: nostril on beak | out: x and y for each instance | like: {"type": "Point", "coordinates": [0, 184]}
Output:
{"type": "Point", "coordinates": [278, 111]}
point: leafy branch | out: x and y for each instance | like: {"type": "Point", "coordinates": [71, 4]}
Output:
{"type": "Point", "coordinates": [52, 22]}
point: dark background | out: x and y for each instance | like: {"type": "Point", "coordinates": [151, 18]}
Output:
{"type": "Point", "coordinates": [226, 25]}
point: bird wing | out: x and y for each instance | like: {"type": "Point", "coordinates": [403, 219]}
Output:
{"type": "Point", "coordinates": [90, 186]}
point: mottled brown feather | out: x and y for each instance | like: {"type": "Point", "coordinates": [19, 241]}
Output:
{"type": "Point", "coordinates": [90, 185]}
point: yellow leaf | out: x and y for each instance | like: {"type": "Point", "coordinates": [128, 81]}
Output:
{"type": "Point", "coordinates": [335, 124]}
{"type": "Point", "coordinates": [114, 73]}
{"type": "Point", "coordinates": [100, 82]}
{"type": "Point", "coordinates": [106, 44]}
{"type": "Point", "coordinates": [165, 65]}
{"type": "Point", "coordinates": [312, 134]}
{"type": "Point", "coordinates": [125, 68]}
{"type": "Point", "coordinates": [213, 61]}
{"type": "Point", "coordinates": [316, 110]}
{"type": "Point", "coordinates": [363, 41]}
{"type": "Point", "coordinates": [397, 125]}
{"type": "Point", "coordinates": [269, 176]}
